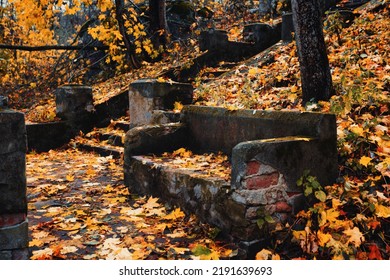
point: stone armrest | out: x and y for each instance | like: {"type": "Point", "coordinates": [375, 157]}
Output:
{"type": "Point", "coordinates": [155, 139]}
{"type": "Point", "coordinates": [258, 163]}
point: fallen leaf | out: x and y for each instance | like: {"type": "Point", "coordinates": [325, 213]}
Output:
{"type": "Point", "coordinates": [365, 161]}
{"type": "Point", "coordinates": [355, 236]}
{"type": "Point", "coordinates": [382, 211]}
{"type": "Point", "coordinates": [323, 238]}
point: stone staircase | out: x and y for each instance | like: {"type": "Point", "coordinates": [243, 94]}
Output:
{"type": "Point", "coordinates": [220, 56]}
{"type": "Point", "coordinates": [105, 141]}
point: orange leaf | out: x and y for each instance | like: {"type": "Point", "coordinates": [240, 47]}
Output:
{"type": "Point", "coordinates": [374, 254]}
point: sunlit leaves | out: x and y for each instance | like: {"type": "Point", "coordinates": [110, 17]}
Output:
{"type": "Point", "coordinates": [78, 209]}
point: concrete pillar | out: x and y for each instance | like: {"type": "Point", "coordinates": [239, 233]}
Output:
{"type": "Point", "coordinates": [74, 104]}
{"type": "Point", "coordinates": [148, 98]}
{"type": "Point", "coordinates": [13, 201]}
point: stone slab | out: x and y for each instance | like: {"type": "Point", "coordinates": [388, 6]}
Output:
{"type": "Point", "coordinates": [43, 137]}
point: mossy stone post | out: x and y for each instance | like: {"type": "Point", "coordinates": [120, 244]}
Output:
{"type": "Point", "coordinates": [150, 98]}
{"type": "Point", "coordinates": [13, 201]}
{"type": "Point", "coordinates": [74, 104]}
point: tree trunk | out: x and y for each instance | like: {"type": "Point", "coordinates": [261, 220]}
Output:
{"type": "Point", "coordinates": [313, 59]}
{"type": "Point", "coordinates": [130, 54]}
{"type": "Point", "coordinates": [158, 22]}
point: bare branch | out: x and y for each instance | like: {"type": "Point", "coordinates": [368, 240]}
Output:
{"type": "Point", "coordinates": [51, 47]}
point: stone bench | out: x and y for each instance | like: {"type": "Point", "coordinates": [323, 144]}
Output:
{"type": "Point", "coordinates": [268, 150]}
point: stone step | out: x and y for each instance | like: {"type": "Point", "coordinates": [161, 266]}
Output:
{"type": "Point", "coordinates": [122, 125]}
{"type": "Point", "coordinates": [101, 149]}
{"type": "Point", "coordinates": [113, 139]}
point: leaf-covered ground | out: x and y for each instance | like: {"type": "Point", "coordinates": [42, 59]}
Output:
{"type": "Point", "coordinates": [80, 209]}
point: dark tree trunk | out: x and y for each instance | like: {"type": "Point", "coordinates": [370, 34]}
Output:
{"type": "Point", "coordinates": [313, 59]}
{"type": "Point", "coordinates": [130, 54]}
{"type": "Point", "coordinates": [158, 22]}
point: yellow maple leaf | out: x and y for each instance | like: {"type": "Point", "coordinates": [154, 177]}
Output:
{"type": "Point", "coordinates": [357, 130]}
{"type": "Point", "coordinates": [254, 71]}
{"type": "Point", "coordinates": [69, 178]}
{"type": "Point", "coordinates": [178, 107]}
{"type": "Point", "coordinates": [161, 80]}
{"type": "Point", "coordinates": [323, 238]}
{"type": "Point", "coordinates": [382, 211]}
{"type": "Point", "coordinates": [299, 234]}
{"type": "Point", "coordinates": [182, 152]}
{"type": "Point", "coordinates": [294, 89]}
{"type": "Point", "coordinates": [36, 242]}
{"type": "Point", "coordinates": [175, 214]}
{"type": "Point", "coordinates": [355, 236]}
{"type": "Point", "coordinates": [365, 161]}
{"type": "Point", "coordinates": [212, 256]}
{"type": "Point", "coordinates": [329, 215]}
{"type": "Point", "coordinates": [151, 203]}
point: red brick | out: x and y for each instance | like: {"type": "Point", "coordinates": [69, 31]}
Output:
{"type": "Point", "coordinates": [7, 220]}
{"type": "Point", "coordinates": [262, 181]}
{"type": "Point", "coordinates": [282, 207]}
{"type": "Point", "coordinates": [252, 168]}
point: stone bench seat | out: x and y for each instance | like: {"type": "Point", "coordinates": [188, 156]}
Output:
{"type": "Point", "coordinates": [268, 152]}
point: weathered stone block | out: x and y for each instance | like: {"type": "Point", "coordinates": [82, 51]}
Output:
{"type": "Point", "coordinates": [73, 99]}
{"type": "Point", "coordinates": [149, 95]}
{"type": "Point", "coordinates": [74, 103]}
{"type": "Point", "coordinates": [13, 201]}
{"type": "Point", "coordinates": [261, 34]}
{"type": "Point", "coordinates": [12, 219]}
{"type": "Point", "coordinates": [14, 237]}
{"type": "Point", "coordinates": [43, 137]}
{"type": "Point", "coordinates": [3, 102]}
{"type": "Point", "coordinates": [291, 156]}
{"type": "Point", "coordinates": [12, 131]}
{"type": "Point", "coordinates": [213, 40]}
{"type": "Point", "coordinates": [218, 129]}
{"type": "Point", "coordinates": [12, 163]}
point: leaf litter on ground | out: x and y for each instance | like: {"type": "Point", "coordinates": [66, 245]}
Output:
{"type": "Point", "coordinates": [80, 209]}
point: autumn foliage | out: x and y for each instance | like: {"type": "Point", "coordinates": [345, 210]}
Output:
{"type": "Point", "coordinates": [347, 220]}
